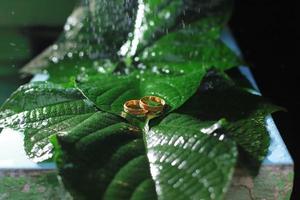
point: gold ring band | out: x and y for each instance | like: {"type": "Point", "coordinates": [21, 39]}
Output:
{"type": "Point", "coordinates": [133, 107]}
{"type": "Point", "coordinates": [158, 106]}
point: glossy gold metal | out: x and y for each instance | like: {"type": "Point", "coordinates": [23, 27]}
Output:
{"type": "Point", "coordinates": [133, 107]}
{"type": "Point", "coordinates": [145, 103]}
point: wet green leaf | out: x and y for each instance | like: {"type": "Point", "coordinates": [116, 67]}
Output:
{"type": "Point", "coordinates": [104, 157]}
{"type": "Point", "coordinates": [40, 110]}
{"type": "Point", "coordinates": [110, 92]}
{"type": "Point", "coordinates": [141, 32]}
{"type": "Point", "coordinates": [117, 51]}
{"type": "Point", "coordinates": [219, 97]}
{"type": "Point", "coordinates": [172, 69]}
{"type": "Point", "coordinates": [82, 42]}
{"type": "Point", "coordinates": [189, 159]}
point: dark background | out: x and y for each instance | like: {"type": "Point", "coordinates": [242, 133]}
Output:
{"type": "Point", "coordinates": [266, 31]}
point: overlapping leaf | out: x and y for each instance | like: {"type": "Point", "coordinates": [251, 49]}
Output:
{"type": "Point", "coordinates": [110, 92]}
{"type": "Point", "coordinates": [163, 69]}
{"type": "Point", "coordinates": [188, 159]}
{"type": "Point", "coordinates": [104, 157]}
{"type": "Point", "coordinates": [40, 110]}
{"type": "Point", "coordinates": [98, 29]}
{"type": "Point", "coordinates": [119, 51]}
{"type": "Point", "coordinates": [159, 35]}
{"type": "Point", "coordinates": [87, 36]}
{"type": "Point", "coordinates": [219, 97]}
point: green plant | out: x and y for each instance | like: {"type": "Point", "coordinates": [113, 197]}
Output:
{"type": "Point", "coordinates": [113, 52]}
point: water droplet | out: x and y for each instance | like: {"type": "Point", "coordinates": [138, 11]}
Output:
{"type": "Point", "coordinates": [81, 54]}
{"type": "Point", "coordinates": [196, 173]}
{"type": "Point", "coordinates": [155, 70]}
{"type": "Point", "coordinates": [165, 70]}
{"type": "Point", "coordinates": [55, 47]}
{"type": "Point", "coordinates": [45, 123]}
{"type": "Point", "coordinates": [222, 137]}
{"type": "Point", "coordinates": [82, 69]}
{"type": "Point", "coordinates": [67, 27]}
{"type": "Point", "coordinates": [100, 69]}
{"type": "Point", "coordinates": [70, 54]}
{"type": "Point", "coordinates": [151, 23]}
{"type": "Point", "coordinates": [141, 66]}
{"type": "Point", "coordinates": [127, 71]}
{"type": "Point", "coordinates": [167, 15]}
{"type": "Point", "coordinates": [54, 59]}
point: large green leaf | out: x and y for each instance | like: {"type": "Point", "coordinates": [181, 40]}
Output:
{"type": "Point", "coordinates": [103, 157]}
{"type": "Point", "coordinates": [40, 110]}
{"type": "Point", "coordinates": [87, 36]}
{"type": "Point", "coordinates": [189, 159]}
{"type": "Point", "coordinates": [172, 69]}
{"type": "Point", "coordinates": [66, 71]}
{"type": "Point", "coordinates": [219, 97]}
{"type": "Point", "coordinates": [144, 35]}
{"type": "Point", "coordinates": [110, 92]}
{"type": "Point", "coordinates": [158, 18]}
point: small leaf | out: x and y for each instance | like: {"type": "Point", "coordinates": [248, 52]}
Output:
{"type": "Point", "coordinates": [188, 159]}
{"type": "Point", "coordinates": [104, 157]}
{"type": "Point", "coordinates": [219, 97]}
{"type": "Point", "coordinates": [40, 110]}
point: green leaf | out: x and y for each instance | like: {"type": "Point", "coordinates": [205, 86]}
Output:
{"type": "Point", "coordinates": [219, 97]}
{"type": "Point", "coordinates": [172, 69]}
{"type": "Point", "coordinates": [40, 110]}
{"type": "Point", "coordinates": [189, 159]}
{"type": "Point", "coordinates": [158, 18]}
{"type": "Point", "coordinates": [93, 37]}
{"type": "Point", "coordinates": [110, 92]}
{"type": "Point", "coordinates": [66, 71]}
{"type": "Point", "coordinates": [87, 36]}
{"type": "Point", "coordinates": [198, 45]}
{"type": "Point", "coordinates": [104, 157]}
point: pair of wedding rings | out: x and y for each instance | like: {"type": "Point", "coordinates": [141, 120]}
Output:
{"type": "Point", "coordinates": [146, 105]}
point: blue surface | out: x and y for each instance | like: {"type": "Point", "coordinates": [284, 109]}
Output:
{"type": "Point", "coordinates": [12, 154]}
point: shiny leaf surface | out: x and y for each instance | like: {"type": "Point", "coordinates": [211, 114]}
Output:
{"type": "Point", "coordinates": [171, 68]}
{"type": "Point", "coordinates": [110, 92]}
{"type": "Point", "coordinates": [40, 110]}
{"type": "Point", "coordinates": [189, 159]}
{"type": "Point", "coordinates": [219, 97]}
{"type": "Point", "coordinates": [104, 157]}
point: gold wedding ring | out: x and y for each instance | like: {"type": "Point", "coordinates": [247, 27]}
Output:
{"type": "Point", "coordinates": [133, 107]}
{"type": "Point", "coordinates": [152, 104]}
